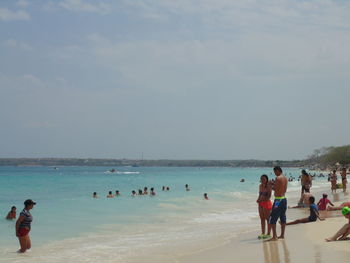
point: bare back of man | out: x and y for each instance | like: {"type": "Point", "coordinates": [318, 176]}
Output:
{"type": "Point", "coordinates": [280, 204]}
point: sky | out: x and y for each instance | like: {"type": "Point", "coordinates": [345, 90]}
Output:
{"type": "Point", "coordinates": [173, 79]}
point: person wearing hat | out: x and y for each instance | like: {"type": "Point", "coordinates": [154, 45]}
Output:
{"type": "Point", "coordinates": [23, 226]}
{"type": "Point", "coordinates": [342, 233]}
{"type": "Point", "coordinates": [324, 201]}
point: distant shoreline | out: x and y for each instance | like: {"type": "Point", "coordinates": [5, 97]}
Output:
{"type": "Point", "coordinates": [27, 162]}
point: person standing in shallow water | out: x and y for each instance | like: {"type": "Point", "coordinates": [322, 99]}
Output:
{"type": "Point", "coordinates": [279, 207]}
{"type": "Point", "coordinates": [344, 181]}
{"type": "Point", "coordinates": [23, 226]}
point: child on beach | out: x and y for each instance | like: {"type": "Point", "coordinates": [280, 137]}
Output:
{"type": "Point", "coordinates": [324, 201]}
{"type": "Point", "coordinates": [345, 230]}
{"type": "Point", "coordinates": [264, 205]}
{"type": "Point", "coordinates": [313, 214]}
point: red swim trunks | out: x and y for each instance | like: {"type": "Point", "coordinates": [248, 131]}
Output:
{"type": "Point", "coordinates": [266, 204]}
{"type": "Point", "coordinates": [23, 231]}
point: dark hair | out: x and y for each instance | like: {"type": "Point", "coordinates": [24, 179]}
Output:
{"type": "Point", "coordinates": [304, 172]}
{"type": "Point", "coordinates": [95, 193]}
{"type": "Point", "coordinates": [343, 169]}
{"type": "Point", "coordinates": [205, 194]}
{"type": "Point", "coordinates": [277, 168]}
{"type": "Point", "coordinates": [334, 171]}
{"type": "Point", "coordinates": [110, 192]}
{"type": "Point", "coordinates": [152, 189]}
{"type": "Point", "coordinates": [13, 207]}
{"type": "Point", "coordinates": [312, 199]}
{"type": "Point", "coordinates": [265, 176]}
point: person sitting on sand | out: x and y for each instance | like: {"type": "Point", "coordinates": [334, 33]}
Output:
{"type": "Point", "coordinates": [334, 181]}
{"type": "Point", "coordinates": [264, 205]}
{"type": "Point", "coordinates": [206, 196]}
{"type": "Point", "coordinates": [110, 195]}
{"type": "Point", "coordinates": [94, 195]}
{"type": "Point", "coordinates": [12, 214]}
{"type": "Point", "coordinates": [152, 193]}
{"type": "Point", "coordinates": [344, 181]}
{"type": "Point", "coordinates": [324, 201]}
{"type": "Point", "coordinates": [304, 199]}
{"type": "Point", "coordinates": [342, 233]}
{"type": "Point", "coordinates": [338, 207]}
{"type": "Point", "coordinates": [313, 214]}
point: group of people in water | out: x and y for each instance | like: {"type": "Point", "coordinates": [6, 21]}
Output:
{"type": "Point", "coordinates": [270, 212]}
{"type": "Point", "coordinates": [143, 192]}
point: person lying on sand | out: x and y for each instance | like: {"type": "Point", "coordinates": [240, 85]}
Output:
{"type": "Point", "coordinates": [339, 207]}
{"type": "Point", "coordinates": [342, 233]}
{"type": "Point", "coordinates": [313, 214]}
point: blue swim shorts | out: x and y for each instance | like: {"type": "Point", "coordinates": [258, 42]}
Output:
{"type": "Point", "coordinates": [279, 209]}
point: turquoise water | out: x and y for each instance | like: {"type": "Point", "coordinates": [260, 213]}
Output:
{"type": "Point", "coordinates": [67, 218]}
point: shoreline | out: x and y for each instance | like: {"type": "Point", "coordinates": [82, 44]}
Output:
{"type": "Point", "coordinates": [306, 238]}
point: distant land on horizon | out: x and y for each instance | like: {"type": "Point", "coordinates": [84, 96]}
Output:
{"type": "Point", "coordinates": [147, 163]}
{"type": "Point", "coordinates": [325, 157]}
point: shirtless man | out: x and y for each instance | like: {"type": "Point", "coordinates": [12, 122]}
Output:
{"type": "Point", "coordinates": [343, 179]}
{"type": "Point", "coordinates": [279, 207]}
{"type": "Point", "coordinates": [306, 181]}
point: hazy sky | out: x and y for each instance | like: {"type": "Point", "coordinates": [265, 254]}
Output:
{"type": "Point", "coordinates": [180, 79]}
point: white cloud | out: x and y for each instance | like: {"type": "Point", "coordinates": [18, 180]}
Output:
{"type": "Point", "coordinates": [22, 3]}
{"type": "Point", "coordinates": [8, 15]}
{"type": "Point", "coordinates": [84, 6]}
{"type": "Point", "coordinates": [12, 43]}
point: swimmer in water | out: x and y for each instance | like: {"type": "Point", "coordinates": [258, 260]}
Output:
{"type": "Point", "coordinates": [145, 191]}
{"type": "Point", "coordinates": [140, 192]}
{"type": "Point", "coordinates": [187, 187]}
{"type": "Point", "coordinates": [94, 195]}
{"type": "Point", "coordinates": [117, 193]}
{"type": "Point", "coordinates": [153, 193]}
{"type": "Point", "coordinates": [168, 188]}
{"type": "Point", "coordinates": [133, 193]}
{"type": "Point", "coordinates": [12, 214]}
{"type": "Point", "coordinates": [110, 195]}
{"type": "Point", "coordinates": [206, 196]}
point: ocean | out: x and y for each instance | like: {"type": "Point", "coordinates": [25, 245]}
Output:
{"type": "Point", "coordinates": [71, 226]}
